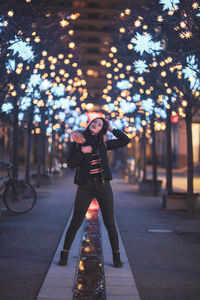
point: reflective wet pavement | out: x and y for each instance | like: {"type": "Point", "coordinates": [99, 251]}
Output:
{"type": "Point", "coordinates": [90, 284]}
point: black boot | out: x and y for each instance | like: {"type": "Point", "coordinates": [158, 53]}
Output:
{"type": "Point", "coordinates": [116, 260]}
{"type": "Point", "coordinates": [63, 258]}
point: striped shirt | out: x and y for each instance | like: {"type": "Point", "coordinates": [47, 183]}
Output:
{"type": "Point", "coordinates": [95, 165]}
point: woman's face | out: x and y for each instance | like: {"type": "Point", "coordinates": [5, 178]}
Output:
{"type": "Point", "coordinates": [96, 126]}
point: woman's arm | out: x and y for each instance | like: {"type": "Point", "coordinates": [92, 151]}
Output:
{"type": "Point", "coordinates": [121, 141]}
{"type": "Point", "coordinates": [75, 156]}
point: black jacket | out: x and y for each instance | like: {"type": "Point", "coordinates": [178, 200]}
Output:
{"type": "Point", "coordinates": [81, 161]}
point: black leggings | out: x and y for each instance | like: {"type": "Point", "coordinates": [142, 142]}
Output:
{"type": "Point", "coordinates": [84, 195]}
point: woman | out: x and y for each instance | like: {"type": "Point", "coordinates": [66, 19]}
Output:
{"type": "Point", "coordinates": [88, 154]}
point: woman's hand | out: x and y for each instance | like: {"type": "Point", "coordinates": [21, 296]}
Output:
{"type": "Point", "coordinates": [86, 149]}
{"type": "Point", "coordinates": [109, 125]}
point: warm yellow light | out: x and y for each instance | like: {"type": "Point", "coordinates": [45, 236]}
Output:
{"type": "Point", "coordinates": [18, 71]}
{"type": "Point", "coordinates": [61, 71]}
{"type": "Point", "coordinates": [52, 67]}
{"type": "Point", "coordinates": [188, 34]}
{"type": "Point", "coordinates": [60, 56]}
{"type": "Point", "coordinates": [67, 61]}
{"type": "Point", "coordinates": [54, 60]}
{"type": "Point", "coordinates": [148, 92]}
{"type": "Point", "coordinates": [71, 32]}
{"type": "Point", "coordinates": [182, 24]}
{"type": "Point", "coordinates": [184, 103]}
{"type": "Point", "coordinates": [10, 13]}
{"type": "Point", "coordinates": [143, 122]}
{"type": "Point", "coordinates": [195, 5]}
{"type": "Point", "coordinates": [64, 23]}
{"type": "Point", "coordinates": [14, 93]}
{"type": "Point", "coordinates": [122, 75]}
{"type": "Point", "coordinates": [130, 46]}
{"type": "Point", "coordinates": [141, 91]}
{"type": "Point", "coordinates": [163, 74]}
{"type": "Point", "coordinates": [103, 62]}
{"type": "Point", "coordinates": [37, 130]}
{"type": "Point", "coordinates": [23, 86]}
{"type": "Point", "coordinates": [140, 79]}
{"type": "Point", "coordinates": [89, 105]}
{"type": "Point", "coordinates": [128, 68]}
{"type": "Point", "coordinates": [127, 11]}
{"type": "Point", "coordinates": [37, 39]}
{"type": "Point", "coordinates": [113, 49]}
{"type": "Point", "coordinates": [168, 91]}
{"type": "Point", "coordinates": [137, 23]}
{"type": "Point", "coordinates": [44, 53]}
{"type": "Point", "coordinates": [71, 45]}
{"type": "Point", "coordinates": [122, 30]}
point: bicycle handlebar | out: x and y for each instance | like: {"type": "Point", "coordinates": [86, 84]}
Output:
{"type": "Point", "coordinates": [6, 165]}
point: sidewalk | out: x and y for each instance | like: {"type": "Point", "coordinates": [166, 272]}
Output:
{"type": "Point", "coordinates": [165, 266]}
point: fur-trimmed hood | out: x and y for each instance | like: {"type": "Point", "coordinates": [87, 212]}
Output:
{"type": "Point", "coordinates": [77, 137]}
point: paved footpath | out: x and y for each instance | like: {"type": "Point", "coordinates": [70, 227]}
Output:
{"type": "Point", "coordinates": [158, 266]}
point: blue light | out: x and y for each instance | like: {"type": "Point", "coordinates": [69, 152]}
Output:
{"type": "Point", "coordinates": [49, 130]}
{"type": "Point", "coordinates": [140, 66]}
{"type": "Point", "coordinates": [161, 112]}
{"type": "Point", "coordinates": [25, 103]}
{"type": "Point", "coordinates": [71, 120]}
{"type": "Point", "coordinates": [20, 116]}
{"type": "Point", "coordinates": [45, 85]}
{"type": "Point", "coordinates": [155, 48]}
{"type": "Point", "coordinates": [136, 97]}
{"type": "Point", "coordinates": [61, 115]}
{"type": "Point", "coordinates": [190, 72]}
{"type": "Point", "coordinates": [123, 84]}
{"type": "Point", "coordinates": [22, 49]}
{"type": "Point", "coordinates": [148, 105]}
{"type": "Point", "coordinates": [143, 43]}
{"type": "Point", "coordinates": [58, 90]}
{"type": "Point", "coordinates": [169, 4]}
{"type": "Point", "coordinates": [34, 80]}
{"type": "Point", "coordinates": [111, 106]}
{"type": "Point", "coordinates": [37, 118]}
{"type": "Point", "coordinates": [138, 123]}
{"type": "Point", "coordinates": [84, 118]}
{"type": "Point", "coordinates": [126, 106]}
{"type": "Point", "coordinates": [7, 107]}
{"type": "Point", "coordinates": [10, 65]}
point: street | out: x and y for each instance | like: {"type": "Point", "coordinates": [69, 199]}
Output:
{"type": "Point", "coordinates": [164, 265]}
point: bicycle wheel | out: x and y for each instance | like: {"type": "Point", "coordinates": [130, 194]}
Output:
{"type": "Point", "coordinates": [19, 197]}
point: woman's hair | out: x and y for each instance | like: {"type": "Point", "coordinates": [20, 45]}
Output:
{"type": "Point", "coordinates": [95, 141]}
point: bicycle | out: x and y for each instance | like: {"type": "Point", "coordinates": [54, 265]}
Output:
{"type": "Point", "coordinates": [18, 196]}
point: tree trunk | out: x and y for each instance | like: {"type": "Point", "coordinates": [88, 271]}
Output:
{"type": "Point", "coordinates": [52, 152]}
{"type": "Point", "coordinates": [40, 148]}
{"type": "Point", "coordinates": [28, 147]}
{"type": "Point", "coordinates": [144, 153]}
{"type": "Point", "coordinates": [154, 159]}
{"type": "Point", "coordinates": [15, 140]}
{"type": "Point", "coordinates": [190, 173]}
{"type": "Point", "coordinates": [168, 151]}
